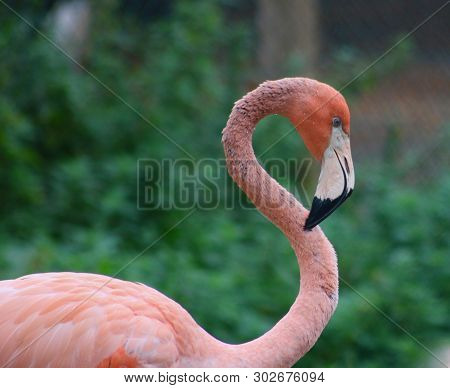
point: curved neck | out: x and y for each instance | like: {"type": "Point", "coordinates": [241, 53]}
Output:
{"type": "Point", "coordinates": [300, 328]}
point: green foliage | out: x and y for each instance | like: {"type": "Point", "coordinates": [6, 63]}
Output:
{"type": "Point", "coordinates": [393, 251]}
{"type": "Point", "coordinates": [68, 152]}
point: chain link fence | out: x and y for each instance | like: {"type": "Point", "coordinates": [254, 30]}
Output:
{"type": "Point", "coordinates": [392, 60]}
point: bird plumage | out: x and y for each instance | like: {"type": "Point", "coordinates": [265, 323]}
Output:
{"type": "Point", "coordinates": [87, 320]}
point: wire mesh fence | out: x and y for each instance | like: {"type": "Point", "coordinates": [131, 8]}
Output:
{"type": "Point", "coordinates": [392, 60]}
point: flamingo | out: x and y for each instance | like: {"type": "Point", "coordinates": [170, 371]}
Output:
{"type": "Point", "coordinates": [89, 320]}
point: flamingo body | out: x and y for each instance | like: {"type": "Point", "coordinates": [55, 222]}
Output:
{"type": "Point", "coordinates": [87, 320]}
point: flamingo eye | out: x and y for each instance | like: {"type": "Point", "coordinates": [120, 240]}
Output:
{"type": "Point", "coordinates": [336, 122]}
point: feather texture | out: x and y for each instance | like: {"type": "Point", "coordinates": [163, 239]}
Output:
{"type": "Point", "coordinates": [84, 320]}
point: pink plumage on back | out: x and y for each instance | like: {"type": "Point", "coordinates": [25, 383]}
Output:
{"type": "Point", "coordinates": [71, 319]}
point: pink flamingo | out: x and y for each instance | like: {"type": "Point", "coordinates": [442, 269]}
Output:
{"type": "Point", "coordinates": [87, 320]}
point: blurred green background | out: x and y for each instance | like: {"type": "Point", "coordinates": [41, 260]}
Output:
{"type": "Point", "coordinates": [69, 147]}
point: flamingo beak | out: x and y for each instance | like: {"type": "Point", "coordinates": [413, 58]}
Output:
{"type": "Point", "coordinates": [336, 181]}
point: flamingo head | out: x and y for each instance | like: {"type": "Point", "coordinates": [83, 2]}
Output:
{"type": "Point", "coordinates": [322, 118]}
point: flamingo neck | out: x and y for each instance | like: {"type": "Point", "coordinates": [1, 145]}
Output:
{"type": "Point", "coordinates": [300, 328]}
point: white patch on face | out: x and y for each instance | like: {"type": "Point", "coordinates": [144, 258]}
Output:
{"type": "Point", "coordinates": [337, 167]}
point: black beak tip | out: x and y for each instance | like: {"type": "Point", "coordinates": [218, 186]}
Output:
{"type": "Point", "coordinates": [319, 211]}
{"type": "Point", "coordinates": [307, 228]}
{"type": "Point", "coordinates": [309, 224]}
{"type": "Point", "coordinates": [322, 208]}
